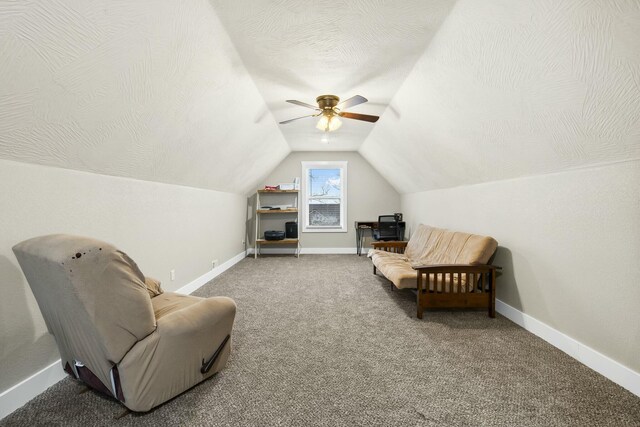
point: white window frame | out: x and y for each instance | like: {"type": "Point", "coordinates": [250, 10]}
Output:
{"type": "Point", "coordinates": [342, 165]}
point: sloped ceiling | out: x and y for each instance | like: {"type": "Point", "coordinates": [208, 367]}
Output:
{"type": "Point", "coordinates": [299, 49]}
{"type": "Point", "coordinates": [190, 93]}
{"type": "Point", "coordinates": [151, 90]}
{"type": "Point", "coordinates": [518, 88]}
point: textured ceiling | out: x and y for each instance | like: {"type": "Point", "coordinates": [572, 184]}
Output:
{"type": "Point", "coordinates": [190, 93]}
{"type": "Point", "coordinates": [519, 88]}
{"type": "Point", "coordinates": [298, 49]}
{"type": "Point", "coordinates": [151, 90]}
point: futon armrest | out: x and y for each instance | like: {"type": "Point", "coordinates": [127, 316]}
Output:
{"type": "Point", "coordinates": [390, 246]}
{"type": "Point", "coordinates": [480, 276]}
{"type": "Point", "coordinates": [455, 268]}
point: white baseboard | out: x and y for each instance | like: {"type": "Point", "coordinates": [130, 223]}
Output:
{"type": "Point", "coordinates": [210, 275]}
{"type": "Point", "coordinates": [595, 360]}
{"type": "Point", "coordinates": [304, 251]}
{"type": "Point", "coordinates": [316, 251]}
{"type": "Point", "coordinates": [27, 389]}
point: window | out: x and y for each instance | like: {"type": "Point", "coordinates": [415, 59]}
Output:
{"type": "Point", "coordinates": [324, 192]}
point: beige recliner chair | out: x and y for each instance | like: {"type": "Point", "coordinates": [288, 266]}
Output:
{"type": "Point", "coordinates": [115, 329]}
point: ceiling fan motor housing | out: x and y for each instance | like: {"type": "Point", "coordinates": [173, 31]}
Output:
{"type": "Point", "coordinates": [327, 102]}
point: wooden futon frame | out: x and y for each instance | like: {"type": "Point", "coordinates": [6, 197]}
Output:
{"type": "Point", "coordinates": [432, 293]}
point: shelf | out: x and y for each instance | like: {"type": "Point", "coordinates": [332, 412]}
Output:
{"type": "Point", "coordinates": [289, 211]}
{"type": "Point", "coordinates": [272, 211]}
{"type": "Point", "coordinates": [278, 242]}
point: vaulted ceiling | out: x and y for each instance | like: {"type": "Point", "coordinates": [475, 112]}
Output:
{"type": "Point", "coordinates": [298, 50]}
{"type": "Point", "coordinates": [152, 90]}
{"type": "Point", "coordinates": [191, 93]}
{"type": "Point", "coordinates": [516, 89]}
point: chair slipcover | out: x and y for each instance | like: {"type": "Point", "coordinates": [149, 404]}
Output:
{"type": "Point", "coordinates": [110, 332]}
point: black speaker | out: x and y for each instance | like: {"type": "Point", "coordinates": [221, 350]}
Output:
{"type": "Point", "coordinates": [273, 235]}
{"type": "Point", "coordinates": [291, 230]}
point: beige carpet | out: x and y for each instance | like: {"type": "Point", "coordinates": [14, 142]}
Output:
{"type": "Point", "coordinates": [321, 341]}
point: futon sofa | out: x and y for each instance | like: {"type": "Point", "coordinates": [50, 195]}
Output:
{"type": "Point", "coordinates": [445, 268]}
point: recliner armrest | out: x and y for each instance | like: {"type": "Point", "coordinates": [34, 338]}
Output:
{"type": "Point", "coordinates": [171, 359]}
{"type": "Point", "coordinates": [205, 313]}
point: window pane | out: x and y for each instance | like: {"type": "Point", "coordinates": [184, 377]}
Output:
{"type": "Point", "coordinates": [324, 214]}
{"type": "Point", "coordinates": [324, 182]}
{"type": "Point", "coordinates": [324, 197]}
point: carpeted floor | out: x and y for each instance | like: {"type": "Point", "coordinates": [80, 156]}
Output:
{"type": "Point", "coordinates": [321, 341]}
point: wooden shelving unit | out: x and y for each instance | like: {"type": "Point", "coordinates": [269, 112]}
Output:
{"type": "Point", "coordinates": [276, 211]}
{"type": "Point", "coordinates": [259, 241]}
{"type": "Point", "coordinates": [280, 242]}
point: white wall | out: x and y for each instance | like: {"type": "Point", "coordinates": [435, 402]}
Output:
{"type": "Point", "coordinates": [161, 226]}
{"type": "Point", "coordinates": [368, 195]}
{"type": "Point", "coordinates": [569, 245]}
{"type": "Point", "coordinates": [522, 121]}
{"type": "Point", "coordinates": [151, 91]}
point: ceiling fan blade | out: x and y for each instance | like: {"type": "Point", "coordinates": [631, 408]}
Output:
{"type": "Point", "coordinates": [354, 100]}
{"type": "Point", "coordinates": [303, 104]}
{"type": "Point", "coordinates": [356, 116]}
{"type": "Point", "coordinates": [297, 118]}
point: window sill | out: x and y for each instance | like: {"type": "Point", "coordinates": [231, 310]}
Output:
{"type": "Point", "coordinates": [324, 230]}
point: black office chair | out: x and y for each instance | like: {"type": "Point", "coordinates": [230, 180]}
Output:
{"type": "Point", "coordinates": [387, 228]}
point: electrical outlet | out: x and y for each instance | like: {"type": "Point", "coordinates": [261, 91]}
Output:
{"type": "Point", "coordinates": [172, 274]}
{"type": "Point", "coordinates": [243, 242]}
{"type": "Point", "coordinates": [214, 263]}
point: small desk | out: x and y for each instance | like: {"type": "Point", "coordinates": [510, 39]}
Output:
{"type": "Point", "coordinates": [361, 226]}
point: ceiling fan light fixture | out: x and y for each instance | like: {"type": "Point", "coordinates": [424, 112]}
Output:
{"type": "Point", "coordinates": [328, 123]}
{"type": "Point", "coordinates": [334, 123]}
{"type": "Point", "coordinates": [323, 123]}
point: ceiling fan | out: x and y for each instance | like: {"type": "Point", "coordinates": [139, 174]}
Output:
{"type": "Point", "coordinates": [330, 108]}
